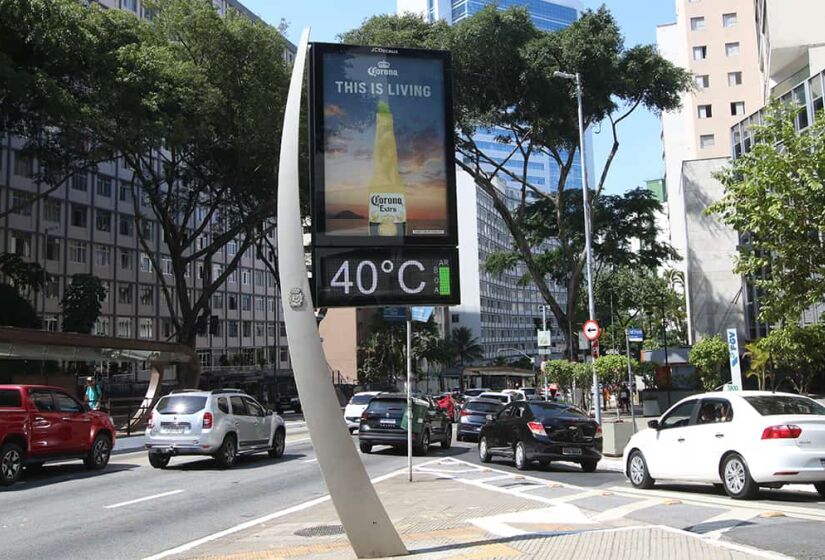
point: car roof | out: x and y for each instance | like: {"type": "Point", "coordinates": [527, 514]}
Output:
{"type": "Point", "coordinates": [740, 394]}
{"type": "Point", "coordinates": [498, 393]}
{"type": "Point", "coordinates": [483, 400]}
{"type": "Point", "coordinates": [366, 393]}
{"type": "Point", "coordinates": [28, 387]}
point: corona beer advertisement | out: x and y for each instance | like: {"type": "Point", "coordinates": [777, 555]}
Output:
{"type": "Point", "coordinates": [383, 167]}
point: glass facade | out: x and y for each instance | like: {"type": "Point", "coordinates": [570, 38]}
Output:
{"type": "Point", "coordinates": [546, 15]}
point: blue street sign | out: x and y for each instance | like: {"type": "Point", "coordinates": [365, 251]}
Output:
{"type": "Point", "coordinates": [422, 314]}
{"type": "Point", "coordinates": [395, 314]}
{"type": "Point", "coordinates": [635, 334]}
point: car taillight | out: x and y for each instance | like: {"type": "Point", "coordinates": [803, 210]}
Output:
{"type": "Point", "coordinates": [465, 412]}
{"type": "Point", "coordinates": [598, 431]}
{"type": "Point", "coordinates": [787, 431]}
{"type": "Point", "coordinates": [151, 423]}
{"type": "Point", "coordinates": [536, 428]}
{"type": "Point", "coordinates": [207, 420]}
{"type": "Point", "coordinates": [364, 415]}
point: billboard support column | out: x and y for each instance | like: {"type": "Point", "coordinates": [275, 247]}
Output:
{"type": "Point", "coordinates": [362, 514]}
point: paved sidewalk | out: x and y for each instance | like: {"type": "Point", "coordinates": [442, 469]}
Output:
{"type": "Point", "coordinates": [455, 510]}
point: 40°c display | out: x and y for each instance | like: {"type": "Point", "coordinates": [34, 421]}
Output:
{"type": "Point", "coordinates": [366, 277]}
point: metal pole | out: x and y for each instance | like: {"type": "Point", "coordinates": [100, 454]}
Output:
{"type": "Point", "coordinates": [544, 328]}
{"type": "Point", "coordinates": [368, 527]}
{"type": "Point", "coordinates": [630, 381]}
{"type": "Point", "coordinates": [667, 361]}
{"type": "Point", "coordinates": [591, 302]}
{"type": "Point", "coordinates": [409, 394]}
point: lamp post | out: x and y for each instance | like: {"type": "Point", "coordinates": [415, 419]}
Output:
{"type": "Point", "coordinates": [591, 303]}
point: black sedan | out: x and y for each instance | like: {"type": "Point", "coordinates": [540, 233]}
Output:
{"type": "Point", "coordinates": [474, 415]}
{"type": "Point", "coordinates": [528, 431]}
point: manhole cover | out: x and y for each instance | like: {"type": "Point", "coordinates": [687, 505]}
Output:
{"type": "Point", "coordinates": [320, 531]}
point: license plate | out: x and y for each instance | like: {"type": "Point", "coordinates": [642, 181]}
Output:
{"type": "Point", "coordinates": [389, 422]}
{"type": "Point", "coordinates": [571, 451]}
{"type": "Point", "coordinates": [173, 430]}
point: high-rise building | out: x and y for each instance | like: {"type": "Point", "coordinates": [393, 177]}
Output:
{"type": "Point", "coordinates": [88, 226]}
{"type": "Point", "coordinates": [502, 312]}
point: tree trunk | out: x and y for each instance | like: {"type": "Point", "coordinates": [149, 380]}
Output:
{"type": "Point", "coordinates": [189, 374]}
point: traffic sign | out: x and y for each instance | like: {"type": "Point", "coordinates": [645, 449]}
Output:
{"type": "Point", "coordinates": [591, 330]}
{"type": "Point", "coordinates": [635, 334]}
{"type": "Point", "coordinates": [544, 339]}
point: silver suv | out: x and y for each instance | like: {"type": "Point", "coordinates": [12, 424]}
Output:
{"type": "Point", "coordinates": [223, 423]}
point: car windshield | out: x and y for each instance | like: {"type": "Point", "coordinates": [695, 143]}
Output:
{"type": "Point", "coordinates": [181, 404]}
{"type": "Point", "coordinates": [775, 405]}
{"type": "Point", "coordinates": [361, 399]}
{"type": "Point", "coordinates": [380, 406]}
{"type": "Point", "coordinates": [502, 398]}
{"type": "Point", "coordinates": [482, 407]}
{"type": "Point", "coordinates": [473, 392]}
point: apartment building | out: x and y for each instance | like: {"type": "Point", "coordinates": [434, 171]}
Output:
{"type": "Point", "coordinates": [87, 226]}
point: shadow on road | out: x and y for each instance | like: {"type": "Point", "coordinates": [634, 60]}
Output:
{"type": "Point", "coordinates": [785, 495]}
{"type": "Point", "coordinates": [243, 462]}
{"type": "Point", "coordinates": [435, 451]}
{"type": "Point", "coordinates": [53, 474]}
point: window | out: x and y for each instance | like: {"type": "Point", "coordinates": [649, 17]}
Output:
{"type": "Point", "coordinates": [680, 416]}
{"type": "Point", "coordinates": [77, 252]}
{"type": "Point", "coordinates": [42, 400]}
{"type": "Point", "coordinates": [80, 182]}
{"type": "Point", "coordinates": [702, 81]}
{"type": "Point", "coordinates": [166, 265]}
{"type": "Point", "coordinates": [50, 323]}
{"type": "Point", "coordinates": [705, 111]}
{"type": "Point", "coordinates": [454, 318]}
{"type": "Point", "coordinates": [20, 244]}
{"type": "Point", "coordinates": [246, 329]}
{"type": "Point", "coordinates": [125, 259]}
{"type": "Point", "coordinates": [104, 186]}
{"type": "Point", "coordinates": [731, 49]}
{"type": "Point", "coordinates": [102, 327]}
{"type": "Point", "coordinates": [10, 398]}
{"type": "Point", "coordinates": [232, 302]}
{"type": "Point", "coordinates": [270, 304]}
{"type": "Point", "coordinates": [253, 408]}
{"type": "Point", "coordinates": [707, 141]}
{"type": "Point", "coordinates": [245, 277]}
{"type": "Point", "coordinates": [145, 263]}
{"type": "Point", "coordinates": [737, 108]}
{"type": "Point", "coordinates": [124, 327]}
{"type": "Point", "coordinates": [53, 288]}
{"type": "Point", "coordinates": [147, 295]}
{"type": "Point", "coordinates": [21, 201]}
{"type": "Point", "coordinates": [246, 302]}
{"type": "Point", "coordinates": [65, 403]}
{"type": "Point", "coordinates": [52, 249]}
{"type": "Point", "coordinates": [233, 277]}
{"type": "Point", "coordinates": [223, 405]}
{"type": "Point", "coordinates": [259, 278]}
{"type": "Point", "coordinates": [51, 210]}
{"type": "Point", "coordinates": [125, 193]}
{"type": "Point", "coordinates": [715, 411]}
{"type": "Point", "coordinates": [232, 248]}
{"type": "Point", "coordinates": [282, 330]}
{"type": "Point", "coordinates": [217, 301]}
{"type": "Point", "coordinates": [734, 78]}
{"type": "Point", "coordinates": [148, 230]}
{"type": "Point", "coordinates": [776, 405]}
{"type": "Point", "coordinates": [23, 165]}
{"type": "Point", "coordinates": [232, 329]}
{"type": "Point", "coordinates": [238, 407]}
{"type": "Point", "coordinates": [103, 255]}
{"type": "Point", "coordinates": [146, 327]}
{"type": "Point", "coordinates": [700, 53]}
{"type": "Point", "coordinates": [125, 226]}
{"type": "Point", "coordinates": [729, 20]}
{"type": "Point", "coordinates": [103, 220]}
{"type": "Point", "coordinates": [697, 23]}
{"type": "Point", "coordinates": [129, 5]}
{"type": "Point", "coordinates": [284, 354]}
{"type": "Point", "coordinates": [124, 293]}
{"type": "Point", "coordinates": [259, 329]}
{"type": "Point", "coordinates": [79, 213]}
{"type": "Point", "coordinates": [259, 303]}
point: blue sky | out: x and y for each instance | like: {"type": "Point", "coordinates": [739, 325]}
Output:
{"type": "Point", "coordinates": [639, 157]}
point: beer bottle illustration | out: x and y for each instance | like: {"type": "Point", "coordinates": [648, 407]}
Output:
{"type": "Point", "coordinates": [387, 202]}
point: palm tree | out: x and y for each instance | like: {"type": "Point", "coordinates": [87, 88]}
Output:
{"type": "Point", "coordinates": [760, 363]}
{"type": "Point", "coordinates": [465, 348]}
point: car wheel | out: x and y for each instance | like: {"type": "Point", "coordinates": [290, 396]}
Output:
{"type": "Point", "coordinates": [520, 457]}
{"type": "Point", "coordinates": [11, 463]}
{"type": "Point", "coordinates": [278, 444]}
{"type": "Point", "coordinates": [820, 487]}
{"type": "Point", "coordinates": [484, 453]}
{"type": "Point", "coordinates": [637, 471]}
{"type": "Point", "coordinates": [159, 460]}
{"type": "Point", "coordinates": [459, 437]}
{"type": "Point", "coordinates": [365, 447]}
{"type": "Point", "coordinates": [589, 466]}
{"type": "Point", "coordinates": [736, 478]}
{"type": "Point", "coordinates": [447, 442]}
{"type": "Point", "coordinates": [227, 452]}
{"type": "Point", "coordinates": [99, 454]}
{"type": "Point", "coordinates": [424, 447]}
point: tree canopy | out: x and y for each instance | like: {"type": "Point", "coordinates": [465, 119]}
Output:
{"type": "Point", "coordinates": [710, 355]}
{"type": "Point", "coordinates": [81, 303]}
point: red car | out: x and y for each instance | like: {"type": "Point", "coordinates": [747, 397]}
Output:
{"type": "Point", "coordinates": [40, 424]}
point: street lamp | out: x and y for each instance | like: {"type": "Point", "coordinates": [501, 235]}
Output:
{"type": "Point", "coordinates": [591, 303]}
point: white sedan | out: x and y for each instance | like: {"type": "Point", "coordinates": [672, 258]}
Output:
{"type": "Point", "coordinates": [356, 407]}
{"type": "Point", "coordinates": [740, 440]}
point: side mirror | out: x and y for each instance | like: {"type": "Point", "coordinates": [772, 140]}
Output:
{"type": "Point", "coordinates": [269, 412]}
{"type": "Point", "coordinates": [489, 417]}
{"type": "Point", "coordinates": [653, 424]}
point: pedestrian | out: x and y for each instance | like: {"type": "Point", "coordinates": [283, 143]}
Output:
{"type": "Point", "coordinates": [624, 398]}
{"type": "Point", "coordinates": [92, 397]}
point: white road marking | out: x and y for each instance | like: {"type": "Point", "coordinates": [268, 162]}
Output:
{"type": "Point", "coordinates": [144, 499]}
{"type": "Point", "coordinates": [499, 525]}
{"type": "Point", "coordinates": [622, 511]}
{"type": "Point", "coordinates": [739, 515]}
{"type": "Point", "coordinates": [310, 460]}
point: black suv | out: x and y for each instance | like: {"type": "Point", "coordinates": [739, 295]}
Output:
{"type": "Point", "coordinates": [383, 423]}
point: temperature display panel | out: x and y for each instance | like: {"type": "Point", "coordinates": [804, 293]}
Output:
{"type": "Point", "coordinates": [363, 277]}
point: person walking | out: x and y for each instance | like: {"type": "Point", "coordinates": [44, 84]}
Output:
{"type": "Point", "coordinates": [93, 394]}
{"type": "Point", "coordinates": [624, 398]}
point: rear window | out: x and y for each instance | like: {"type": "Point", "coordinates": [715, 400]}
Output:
{"type": "Point", "coordinates": [775, 405]}
{"type": "Point", "coordinates": [181, 404]}
{"type": "Point", "coordinates": [10, 398]}
{"type": "Point", "coordinates": [544, 409]}
{"type": "Point", "coordinates": [529, 391]}
{"type": "Point", "coordinates": [361, 399]}
{"type": "Point", "coordinates": [387, 405]}
{"type": "Point", "coordinates": [502, 398]}
{"type": "Point", "coordinates": [482, 407]}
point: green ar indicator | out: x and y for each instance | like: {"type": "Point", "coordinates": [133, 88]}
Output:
{"type": "Point", "coordinates": [444, 280]}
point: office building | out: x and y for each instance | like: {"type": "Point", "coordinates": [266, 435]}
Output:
{"type": "Point", "coordinates": [87, 226]}
{"type": "Point", "coordinates": [502, 313]}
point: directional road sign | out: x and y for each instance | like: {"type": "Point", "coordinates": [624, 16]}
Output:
{"type": "Point", "coordinates": [635, 334]}
{"type": "Point", "coordinates": [591, 330]}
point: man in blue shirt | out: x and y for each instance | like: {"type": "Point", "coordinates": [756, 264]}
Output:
{"type": "Point", "coordinates": [92, 396]}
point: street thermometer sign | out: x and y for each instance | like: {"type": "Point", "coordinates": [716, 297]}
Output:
{"type": "Point", "coordinates": [591, 330]}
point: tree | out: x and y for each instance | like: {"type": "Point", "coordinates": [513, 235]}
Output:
{"type": "Point", "coordinates": [465, 347]}
{"type": "Point", "coordinates": [612, 368]}
{"type": "Point", "coordinates": [28, 278]}
{"type": "Point", "coordinates": [16, 311]}
{"type": "Point", "coordinates": [774, 198]}
{"type": "Point", "coordinates": [797, 354]}
{"type": "Point", "coordinates": [710, 355]}
{"type": "Point", "coordinates": [81, 303]}
{"type": "Point", "coordinates": [760, 360]}
{"type": "Point", "coordinates": [512, 87]}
